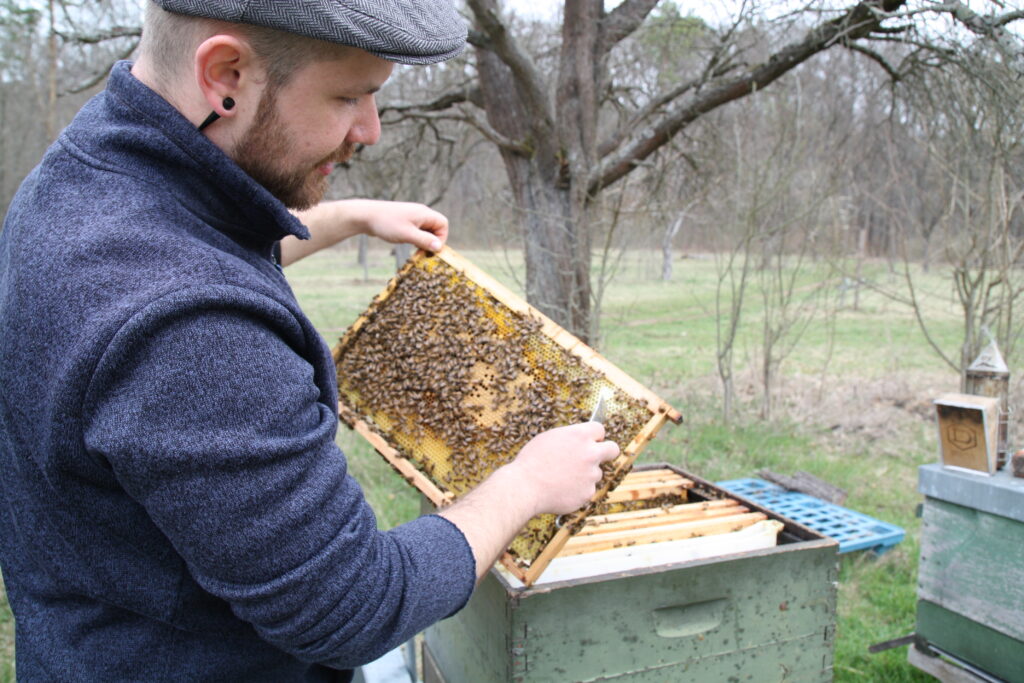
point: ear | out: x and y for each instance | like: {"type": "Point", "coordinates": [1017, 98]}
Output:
{"type": "Point", "coordinates": [224, 67]}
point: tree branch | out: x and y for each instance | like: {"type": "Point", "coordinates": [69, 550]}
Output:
{"type": "Point", "coordinates": [974, 21]}
{"type": "Point", "coordinates": [617, 138]}
{"type": "Point", "coordinates": [527, 78]}
{"type": "Point", "coordinates": [879, 59]}
{"type": "Point", "coordinates": [103, 73]}
{"type": "Point", "coordinates": [481, 125]}
{"type": "Point", "coordinates": [478, 39]}
{"type": "Point", "coordinates": [447, 100]}
{"type": "Point", "coordinates": [992, 26]}
{"type": "Point", "coordinates": [623, 20]}
{"type": "Point", "coordinates": [112, 33]}
{"type": "Point", "coordinates": [857, 22]}
{"type": "Point", "coordinates": [718, 65]}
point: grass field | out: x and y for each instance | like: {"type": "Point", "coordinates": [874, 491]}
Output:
{"type": "Point", "coordinates": [853, 407]}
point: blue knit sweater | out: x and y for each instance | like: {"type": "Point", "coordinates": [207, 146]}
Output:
{"type": "Point", "coordinates": [172, 502]}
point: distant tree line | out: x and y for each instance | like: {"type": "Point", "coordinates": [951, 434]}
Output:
{"type": "Point", "coordinates": [827, 135]}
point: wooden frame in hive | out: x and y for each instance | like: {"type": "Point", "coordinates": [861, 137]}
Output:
{"type": "Point", "coordinates": [447, 374]}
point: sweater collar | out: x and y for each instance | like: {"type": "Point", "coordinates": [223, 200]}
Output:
{"type": "Point", "coordinates": [138, 131]}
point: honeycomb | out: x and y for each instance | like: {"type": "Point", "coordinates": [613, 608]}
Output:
{"type": "Point", "coordinates": [457, 382]}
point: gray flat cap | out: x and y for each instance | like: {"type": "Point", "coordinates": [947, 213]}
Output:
{"type": "Point", "coordinates": [403, 31]}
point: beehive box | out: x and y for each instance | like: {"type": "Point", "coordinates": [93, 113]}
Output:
{"type": "Point", "coordinates": [448, 374]}
{"type": "Point", "coordinates": [970, 586]}
{"type": "Point", "coordinates": [762, 614]}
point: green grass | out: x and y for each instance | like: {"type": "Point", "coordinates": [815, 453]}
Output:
{"type": "Point", "coordinates": [849, 410]}
{"type": "Point", "coordinates": [6, 639]}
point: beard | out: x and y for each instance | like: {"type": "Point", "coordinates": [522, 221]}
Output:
{"type": "Point", "coordinates": [262, 147]}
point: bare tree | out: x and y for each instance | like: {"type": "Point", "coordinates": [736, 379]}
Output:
{"type": "Point", "coordinates": [733, 278]}
{"type": "Point", "coordinates": [567, 137]}
{"type": "Point", "coordinates": [967, 121]}
{"type": "Point", "coordinates": [667, 240]}
{"type": "Point", "coordinates": [53, 55]}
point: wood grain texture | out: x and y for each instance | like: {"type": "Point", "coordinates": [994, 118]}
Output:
{"type": "Point", "coordinates": [654, 523]}
{"type": "Point", "coordinates": [669, 532]}
{"type": "Point", "coordinates": [972, 563]}
{"type": "Point", "coordinates": [657, 512]}
{"type": "Point", "coordinates": [644, 491]}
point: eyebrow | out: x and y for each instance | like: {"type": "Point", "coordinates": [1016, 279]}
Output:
{"type": "Point", "coordinates": [360, 92]}
{"type": "Point", "coordinates": [366, 88]}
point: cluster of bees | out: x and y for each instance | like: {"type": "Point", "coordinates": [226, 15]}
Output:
{"type": "Point", "coordinates": [665, 500]}
{"type": "Point", "coordinates": [458, 383]}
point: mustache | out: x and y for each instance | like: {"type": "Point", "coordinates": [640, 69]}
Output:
{"type": "Point", "coordinates": [342, 155]}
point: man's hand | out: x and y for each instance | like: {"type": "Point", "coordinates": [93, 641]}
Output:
{"type": "Point", "coordinates": [395, 222]}
{"type": "Point", "coordinates": [557, 472]}
{"type": "Point", "coordinates": [561, 467]}
{"type": "Point", "coordinates": [403, 222]}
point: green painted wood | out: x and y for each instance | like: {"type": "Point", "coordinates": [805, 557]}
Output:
{"type": "Point", "coordinates": [474, 645]}
{"type": "Point", "coordinates": [704, 612]}
{"type": "Point", "coordinates": [795, 660]}
{"type": "Point", "coordinates": [988, 649]}
{"type": "Point", "coordinates": [1001, 494]}
{"type": "Point", "coordinates": [763, 616]}
{"type": "Point", "coordinates": [972, 564]}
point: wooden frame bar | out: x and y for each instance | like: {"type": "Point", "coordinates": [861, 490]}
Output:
{"type": "Point", "coordinates": [651, 475]}
{"type": "Point", "coordinates": [644, 490]}
{"type": "Point", "coordinates": [397, 461]}
{"type": "Point", "coordinates": [659, 511]}
{"type": "Point", "coordinates": [672, 532]}
{"type": "Point", "coordinates": [662, 521]}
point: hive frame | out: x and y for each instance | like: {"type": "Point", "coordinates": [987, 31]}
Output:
{"type": "Point", "coordinates": [661, 411]}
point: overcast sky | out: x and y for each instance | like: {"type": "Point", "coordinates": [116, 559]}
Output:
{"type": "Point", "coordinates": [722, 9]}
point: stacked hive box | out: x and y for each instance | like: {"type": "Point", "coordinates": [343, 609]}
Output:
{"type": "Point", "coordinates": [756, 614]}
{"type": "Point", "coordinates": [970, 585]}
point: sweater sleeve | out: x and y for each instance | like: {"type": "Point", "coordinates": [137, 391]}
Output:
{"type": "Point", "coordinates": [210, 415]}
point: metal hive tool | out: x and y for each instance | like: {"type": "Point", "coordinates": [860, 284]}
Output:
{"type": "Point", "coordinates": [448, 374]}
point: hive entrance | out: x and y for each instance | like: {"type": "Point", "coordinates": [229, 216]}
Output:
{"type": "Point", "coordinates": [453, 374]}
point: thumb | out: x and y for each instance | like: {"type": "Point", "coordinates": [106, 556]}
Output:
{"type": "Point", "coordinates": [424, 239]}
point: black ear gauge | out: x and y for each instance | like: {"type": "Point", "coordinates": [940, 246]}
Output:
{"type": "Point", "coordinates": [209, 119]}
{"type": "Point", "coordinates": [228, 103]}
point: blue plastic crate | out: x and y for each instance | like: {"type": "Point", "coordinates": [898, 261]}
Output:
{"type": "Point", "coordinates": [853, 530]}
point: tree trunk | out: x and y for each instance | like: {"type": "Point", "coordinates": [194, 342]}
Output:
{"type": "Point", "coordinates": [862, 253]}
{"type": "Point", "coordinates": [556, 245]}
{"type": "Point", "coordinates": [553, 217]}
{"type": "Point", "coordinates": [51, 89]}
{"type": "Point", "coordinates": [364, 258]}
{"type": "Point", "coordinates": [402, 253]}
{"type": "Point", "coordinates": [728, 391]}
{"type": "Point", "coordinates": [767, 379]}
{"type": "Point", "coordinates": [666, 248]}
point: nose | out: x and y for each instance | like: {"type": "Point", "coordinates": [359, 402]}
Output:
{"type": "Point", "coordinates": [366, 128]}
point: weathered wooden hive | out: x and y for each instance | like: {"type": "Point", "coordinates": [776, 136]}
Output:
{"type": "Point", "coordinates": [970, 584]}
{"type": "Point", "coordinates": [751, 605]}
{"type": "Point", "coordinates": [448, 374]}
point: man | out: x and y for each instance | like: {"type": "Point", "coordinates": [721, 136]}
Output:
{"type": "Point", "coordinates": [174, 506]}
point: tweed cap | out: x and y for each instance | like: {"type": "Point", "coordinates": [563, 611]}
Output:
{"type": "Point", "coordinates": [403, 31]}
